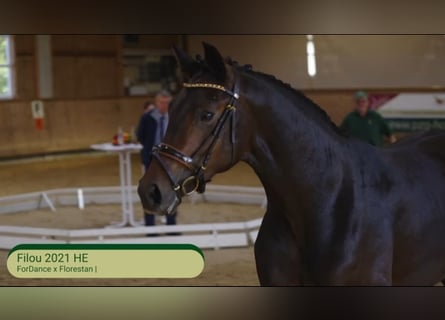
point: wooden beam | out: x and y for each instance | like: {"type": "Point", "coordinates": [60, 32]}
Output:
{"type": "Point", "coordinates": [45, 70]}
{"type": "Point", "coordinates": [120, 90]}
{"type": "Point", "coordinates": [106, 54]}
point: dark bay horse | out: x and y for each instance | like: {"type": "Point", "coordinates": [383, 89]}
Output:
{"type": "Point", "coordinates": [340, 212]}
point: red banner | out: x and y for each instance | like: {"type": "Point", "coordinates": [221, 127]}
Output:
{"type": "Point", "coordinates": [377, 100]}
{"type": "Point", "coordinates": [39, 123]}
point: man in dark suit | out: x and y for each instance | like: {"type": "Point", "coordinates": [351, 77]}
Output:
{"type": "Point", "coordinates": [151, 130]}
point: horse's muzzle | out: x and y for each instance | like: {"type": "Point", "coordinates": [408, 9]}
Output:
{"type": "Point", "coordinates": [152, 200]}
{"type": "Point", "coordinates": [150, 197]}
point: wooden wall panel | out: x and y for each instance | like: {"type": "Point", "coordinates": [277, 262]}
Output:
{"type": "Point", "coordinates": [85, 66]}
{"type": "Point", "coordinates": [96, 77]}
{"type": "Point", "coordinates": [24, 44]}
{"type": "Point", "coordinates": [336, 103]}
{"type": "Point", "coordinates": [146, 41]}
{"type": "Point", "coordinates": [68, 124]}
{"type": "Point", "coordinates": [25, 66]}
{"type": "Point", "coordinates": [84, 77]}
{"type": "Point", "coordinates": [25, 77]}
{"type": "Point", "coordinates": [15, 130]}
{"type": "Point", "coordinates": [64, 77]}
{"type": "Point", "coordinates": [83, 44]}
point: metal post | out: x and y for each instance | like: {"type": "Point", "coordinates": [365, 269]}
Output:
{"type": "Point", "coordinates": [80, 201]}
{"type": "Point", "coordinates": [130, 210]}
{"type": "Point", "coordinates": [123, 191]}
{"type": "Point", "coordinates": [48, 201]}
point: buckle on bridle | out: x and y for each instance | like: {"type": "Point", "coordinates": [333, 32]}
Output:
{"type": "Point", "coordinates": [184, 185]}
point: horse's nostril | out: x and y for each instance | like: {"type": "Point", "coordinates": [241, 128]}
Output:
{"type": "Point", "coordinates": [155, 194]}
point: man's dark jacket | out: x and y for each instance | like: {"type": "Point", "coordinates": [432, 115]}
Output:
{"type": "Point", "coordinates": [146, 133]}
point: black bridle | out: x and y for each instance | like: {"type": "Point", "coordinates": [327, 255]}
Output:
{"type": "Point", "coordinates": [196, 178]}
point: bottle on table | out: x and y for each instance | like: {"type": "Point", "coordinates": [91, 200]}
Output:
{"type": "Point", "coordinates": [133, 135]}
{"type": "Point", "coordinates": [120, 136]}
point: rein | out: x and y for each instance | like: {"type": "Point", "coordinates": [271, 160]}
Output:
{"type": "Point", "coordinates": [196, 179]}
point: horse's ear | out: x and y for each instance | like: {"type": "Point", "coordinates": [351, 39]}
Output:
{"type": "Point", "coordinates": [189, 67]}
{"type": "Point", "coordinates": [215, 62]}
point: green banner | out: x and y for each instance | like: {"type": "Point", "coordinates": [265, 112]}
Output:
{"type": "Point", "coordinates": [409, 125]}
{"type": "Point", "coordinates": [105, 261]}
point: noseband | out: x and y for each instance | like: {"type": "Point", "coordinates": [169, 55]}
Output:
{"type": "Point", "coordinates": [196, 178]}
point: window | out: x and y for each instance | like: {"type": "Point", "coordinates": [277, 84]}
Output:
{"type": "Point", "coordinates": [6, 67]}
{"type": "Point", "coordinates": [310, 51]}
{"type": "Point", "coordinates": [148, 71]}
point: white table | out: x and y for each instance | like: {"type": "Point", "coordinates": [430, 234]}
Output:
{"type": "Point", "coordinates": [124, 152]}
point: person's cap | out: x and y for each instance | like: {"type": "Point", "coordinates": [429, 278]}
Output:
{"type": "Point", "coordinates": [360, 94]}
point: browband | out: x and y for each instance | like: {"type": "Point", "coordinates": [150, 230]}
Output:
{"type": "Point", "coordinates": [212, 86]}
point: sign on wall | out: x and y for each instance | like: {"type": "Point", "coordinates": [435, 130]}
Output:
{"type": "Point", "coordinates": [407, 112]}
{"type": "Point", "coordinates": [38, 113]}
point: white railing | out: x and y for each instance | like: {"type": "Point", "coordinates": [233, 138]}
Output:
{"type": "Point", "coordinates": [81, 197]}
{"type": "Point", "coordinates": [208, 235]}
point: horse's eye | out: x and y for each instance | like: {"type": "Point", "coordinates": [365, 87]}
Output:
{"type": "Point", "coordinates": [206, 116]}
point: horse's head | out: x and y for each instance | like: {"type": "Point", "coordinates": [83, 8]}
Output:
{"type": "Point", "coordinates": [201, 138]}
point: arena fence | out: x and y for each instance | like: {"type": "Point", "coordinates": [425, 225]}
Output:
{"type": "Point", "coordinates": [208, 235]}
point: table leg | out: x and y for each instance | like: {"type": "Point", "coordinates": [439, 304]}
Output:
{"type": "Point", "coordinates": [129, 187]}
{"type": "Point", "coordinates": [126, 191]}
{"type": "Point", "coordinates": [122, 172]}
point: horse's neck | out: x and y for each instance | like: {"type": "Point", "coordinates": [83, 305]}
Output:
{"type": "Point", "coordinates": [298, 157]}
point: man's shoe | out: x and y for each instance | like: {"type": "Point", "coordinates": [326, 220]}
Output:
{"type": "Point", "coordinates": [153, 235]}
{"type": "Point", "coordinates": [174, 233]}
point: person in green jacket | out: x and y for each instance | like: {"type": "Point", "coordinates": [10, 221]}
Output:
{"type": "Point", "coordinates": [366, 124]}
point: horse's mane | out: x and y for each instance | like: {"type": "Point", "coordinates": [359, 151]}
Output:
{"type": "Point", "coordinates": [313, 107]}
